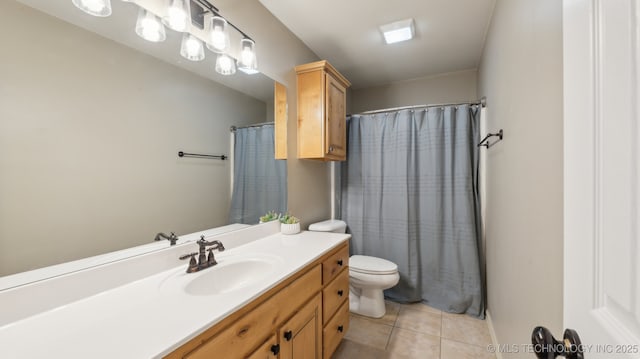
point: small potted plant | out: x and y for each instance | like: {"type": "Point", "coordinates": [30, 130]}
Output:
{"type": "Point", "coordinates": [289, 224]}
{"type": "Point", "coordinates": [269, 216]}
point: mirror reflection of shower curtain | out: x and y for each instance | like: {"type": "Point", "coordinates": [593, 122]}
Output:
{"type": "Point", "coordinates": [259, 180]}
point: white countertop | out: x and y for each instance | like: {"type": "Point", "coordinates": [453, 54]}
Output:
{"type": "Point", "coordinates": [148, 318]}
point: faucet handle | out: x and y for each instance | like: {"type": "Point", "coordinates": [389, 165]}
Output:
{"type": "Point", "coordinates": [193, 264]}
{"type": "Point", "coordinates": [187, 256]}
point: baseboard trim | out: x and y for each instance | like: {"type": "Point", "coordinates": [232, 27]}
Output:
{"type": "Point", "coordinates": [492, 332]}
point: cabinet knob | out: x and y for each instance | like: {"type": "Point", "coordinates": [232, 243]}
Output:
{"type": "Point", "coordinates": [288, 335]}
{"type": "Point", "coordinates": [330, 148]}
{"type": "Point", "coordinates": [340, 262]}
{"type": "Point", "coordinates": [275, 349]}
{"type": "Point", "coordinates": [340, 292]}
{"type": "Point", "coordinates": [340, 328]}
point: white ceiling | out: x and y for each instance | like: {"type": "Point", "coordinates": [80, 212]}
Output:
{"type": "Point", "coordinates": [449, 35]}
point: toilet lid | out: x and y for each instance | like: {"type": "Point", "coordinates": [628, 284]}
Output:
{"type": "Point", "coordinates": [371, 265]}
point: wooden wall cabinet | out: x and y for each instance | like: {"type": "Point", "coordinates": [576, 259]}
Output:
{"type": "Point", "coordinates": [321, 106]}
{"type": "Point", "coordinates": [304, 317]}
{"type": "Point", "coordinates": [280, 119]}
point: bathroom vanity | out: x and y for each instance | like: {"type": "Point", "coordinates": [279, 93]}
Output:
{"type": "Point", "coordinates": [304, 316]}
{"type": "Point", "coordinates": [270, 296]}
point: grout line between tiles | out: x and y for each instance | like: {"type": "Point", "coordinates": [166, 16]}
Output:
{"type": "Point", "coordinates": [386, 346]}
{"type": "Point", "coordinates": [419, 332]}
{"type": "Point", "coordinates": [459, 342]}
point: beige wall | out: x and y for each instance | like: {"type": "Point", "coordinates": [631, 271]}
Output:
{"type": "Point", "coordinates": [173, 188]}
{"type": "Point", "coordinates": [279, 52]}
{"type": "Point", "coordinates": [89, 134]}
{"type": "Point", "coordinates": [521, 76]}
{"type": "Point", "coordinates": [444, 88]}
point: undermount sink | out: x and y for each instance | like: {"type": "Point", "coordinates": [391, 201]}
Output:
{"type": "Point", "coordinates": [230, 274]}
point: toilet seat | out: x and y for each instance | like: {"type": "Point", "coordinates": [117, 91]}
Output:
{"type": "Point", "coordinates": [371, 265]}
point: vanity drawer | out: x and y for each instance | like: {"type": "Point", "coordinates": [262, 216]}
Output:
{"type": "Point", "coordinates": [334, 264]}
{"type": "Point", "coordinates": [335, 330]}
{"type": "Point", "coordinates": [237, 340]}
{"type": "Point", "coordinates": [335, 294]}
{"type": "Point", "coordinates": [268, 350]}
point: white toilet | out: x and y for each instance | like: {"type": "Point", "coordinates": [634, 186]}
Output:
{"type": "Point", "coordinates": [368, 276]}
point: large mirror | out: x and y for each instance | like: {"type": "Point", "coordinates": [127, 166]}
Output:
{"type": "Point", "coordinates": [92, 118]}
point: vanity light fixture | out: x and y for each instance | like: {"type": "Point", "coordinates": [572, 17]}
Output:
{"type": "Point", "coordinates": [188, 17]}
{"type": "Point", "coordinates": [101, 8]}
{"type": "Point", "coordinates": [149, 27]}
{"type": "Point", "coordinates": [177, 17]}
{"type": "Point", "coordinates": [398, 31]}
{"type": "Point", "coordinates": [191, 48]}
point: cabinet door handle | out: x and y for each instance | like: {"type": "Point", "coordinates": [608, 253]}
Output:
{"type": "Point", "coordinates": [340, 262]}
{"type": "Point", "coordinates": [288, 335]}
{"type": "Point", "coordinates": [340, 292]}
{"type": "Point", "coordinates": [340, 328]}
{"type": "Point", "coordinates": [330, 148]}
{"type": "Point", "coordinates": [275, 349]}
{"type": "Point", "coordinates": [546, 346]}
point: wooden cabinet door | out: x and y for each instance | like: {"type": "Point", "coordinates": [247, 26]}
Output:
{"type": "Point", "coordinates": [311, 114]}
{"type": "Point", "coordinates": [268, 350]}
{"type": "Point", "coordinates": [301, 336]}
{"type": "Point", "coordinates": [336, 125]}
{"type": "Point", "coordinates": [280, 119]}
{"type": "Point", "coordinates": [335, 330]}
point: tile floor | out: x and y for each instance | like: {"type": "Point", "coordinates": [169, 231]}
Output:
{"type": "Point", "coordinates": [415, 331]}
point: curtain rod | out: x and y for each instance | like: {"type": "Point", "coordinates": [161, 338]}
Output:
{"type": "Point", "coordinates": [482, 102]}
{"type": "Point", "coordinates": [233, 128]}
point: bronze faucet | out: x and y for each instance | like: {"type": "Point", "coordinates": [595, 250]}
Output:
{"type": "Point", "coordinates": [172, 238]}
{"type": "Point", "coordinates": [203, 261]}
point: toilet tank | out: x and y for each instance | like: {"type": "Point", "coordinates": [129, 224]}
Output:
{"type": "Point", "coordinates": [330, 225]}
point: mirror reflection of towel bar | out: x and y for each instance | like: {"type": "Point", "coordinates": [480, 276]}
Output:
{"type": "Point", "coordinates": [197, 155]}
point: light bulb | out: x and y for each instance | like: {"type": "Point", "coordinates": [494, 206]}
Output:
{"type": "Point", "coordinates": [248, 63]}
{"type": "Point", "coordinates": [217, 38]}
{"type": "Point", "coordinates": [177, 15]}
{"type": "Point", "coordinates": [247, 56]}
{"type": "Point", "coordinates": [101, 8]}
{"type": "Point", "coordinates": [149, 27]}
{"type": "Point", "coordinates": [192, 48]}
{"type": "Point", "coordinates": [219, 35]}
{"type": "Point", "coordinates": [225, 65]}
{"type": "Point", "coordinates": [225, 62]}
{"type": "Point", "coordinates": [94, 5]}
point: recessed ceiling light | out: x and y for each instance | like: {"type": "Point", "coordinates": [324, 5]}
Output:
{"type": "Point", "coordinates": [398, 31]}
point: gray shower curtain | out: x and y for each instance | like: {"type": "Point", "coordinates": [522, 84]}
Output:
{"type": "Point", "coordinates": [259, 180]}
{"type": "Point", "coordinates": [409, 194]}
